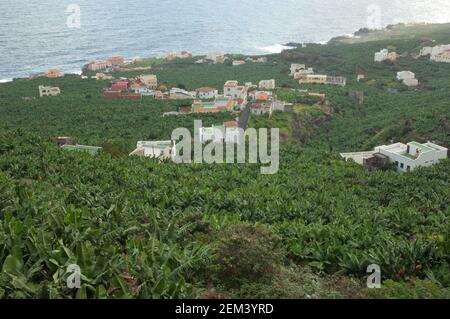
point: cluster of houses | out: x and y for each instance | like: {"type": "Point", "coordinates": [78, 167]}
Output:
{"type": "Point", "coordinates": [408, 78]}
{"type": "Point", "coordinates": [264, 102]}
{"type": "Point", "coordinates": [176, 55]}
{"type": "Point", "coordinates": [133, 89]}
{"type": "Point", "coordinates": [252, 60]}
{"type": "Point", "coordinates": [205, 99]}
{"type": "Point", "coordinates": [260, 99]}
{"type": "Point", "coordinates": [219, 58]}
{"type": "Point", "coordinates": [236, 96]}
{"type": "Point", "coordinates": [227, 132]}
{"type": "Point", "coordinates": [385, 55]}
{"type": "Point", "coordinates": [107, 65]}
{"type": "Point", "coordinates": [306, 75]}
{"type": "Point", "coordinates": [439, 53]}
{"type": "Point", "coordinates": [214, 57]}
{"type": "Point", "coordinates": [405, 157]}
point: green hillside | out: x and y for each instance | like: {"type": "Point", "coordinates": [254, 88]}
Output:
{"type": "Point", "coordinates": [143, 229]}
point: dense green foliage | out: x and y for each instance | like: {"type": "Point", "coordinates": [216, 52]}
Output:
{"type": "Point", "coordinates": [82, 113]}
{"type": "Point", "coordinates": [143, 229]}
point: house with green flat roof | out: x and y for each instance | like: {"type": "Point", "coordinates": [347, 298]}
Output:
{"type": "Point", "coordinates": [405, 157]}
{"type": "Point", "coordinates": [93, 150]}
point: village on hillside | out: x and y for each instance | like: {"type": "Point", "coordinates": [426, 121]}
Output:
{"type": "Point", "coordinates": [304, 171]}
{"type": "Point", "coordinates": [244, 99]}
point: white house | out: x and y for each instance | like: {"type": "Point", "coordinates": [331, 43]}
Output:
{"type": "Point", "coordinates": [155, 149]}
{"type": "Point", "coordinates": [300, 73]}
{"type": "Point", "coordinates": [232, 89]}
{"type": "Point", "coordinates": [295, 67]}
{"type": "Point", "coordinates": [206, 93]}
{"type": "Point", "coordinates": [360, 75]}
{"type": "Point", "coordinates": [216, 57]}
{"type": "Point", "coordinates": [403, 75]}
{"type": "Point", "coordinates": [438, 50]}
{"type": "Point", "coordinates": [143, 90]}
{"type": "Point", "coordinates": [407, 157]}
{"type": "Point", "coordinates": [48, 91]}
{"type": "Point", "coordinates": [411, 82]}
{"type": "Point", "coordinates": [381, 56]}
{"type": "Point", "coordinates": [278, 106]}
{"type": "Point", "coordinates": [426, 51]}
{"type": "Point", "coordinates": [443, 57]}
{"type": "Point", "coordinates": [149, 80]}
{"type": "Point", "coordinates": [267, 84]}
{"type": "Point", "coordinates": [408, 78]}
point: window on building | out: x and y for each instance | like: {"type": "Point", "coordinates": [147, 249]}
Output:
{"type": "Point", "coordinates": [402, 165]}
{"type": "Point", "coordinates": [396, 163]}
{"type": "Point", "coordinates": [408, 168]}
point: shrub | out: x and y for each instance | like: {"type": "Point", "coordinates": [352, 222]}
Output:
{"type": "Point", "coordinates": [247, 254]}
{"type": "Point", "coordinates": [416, 289]}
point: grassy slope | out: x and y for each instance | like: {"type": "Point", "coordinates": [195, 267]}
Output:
{"type": "Point", "coordinates": [438, 32]}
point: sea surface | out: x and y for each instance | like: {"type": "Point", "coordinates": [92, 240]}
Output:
{"type": "Point", "coordinates": [36, 35]}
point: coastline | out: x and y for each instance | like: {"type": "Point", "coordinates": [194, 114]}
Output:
{"type": "Point", "coordinates": [362, 35]}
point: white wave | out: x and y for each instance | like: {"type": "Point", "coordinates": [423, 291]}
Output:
{"type": "Point", "coordinates": [276, 48]}
{"type": "Point", "coordinates": [77, 72]}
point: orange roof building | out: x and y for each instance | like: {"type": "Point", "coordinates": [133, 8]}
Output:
{"type": "Point", "coordinates": [116, 60]}
{"type": "Point", "coordinates": [53, 73]}
{"type": "Point", "coordinates": [231, 124]}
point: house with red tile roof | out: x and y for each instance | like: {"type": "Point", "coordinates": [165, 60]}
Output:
{"type": "Point", "coordinates": [120, 86]}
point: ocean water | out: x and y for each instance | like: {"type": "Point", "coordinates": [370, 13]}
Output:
{"type": "Point", "coordinates": [35, 34]}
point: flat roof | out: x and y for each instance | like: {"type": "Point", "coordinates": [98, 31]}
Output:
{"type": "Point", "coordinates": [154, 143]}
{"type": "Point", "coordinates": [358, 157]}
{"type": "Point", "coordinates": [435, 146]}
{"type": "Point", "coordinates": [86, 148]}
{"type": "Point", "coordinates": [421, 146]}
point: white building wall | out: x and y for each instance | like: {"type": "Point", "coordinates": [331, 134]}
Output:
{"type": "Point", "coordinates": [403, 162]}
{"type": "Point", "coordinates": [381, 56]}
{"type": "Point", "coordinates": [405, 75]}
{"type": "Point", "coordinates": [207, 95]}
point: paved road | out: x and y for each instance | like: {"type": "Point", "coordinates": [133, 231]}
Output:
{"type": "Point", "coordinates": [244, 116]}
